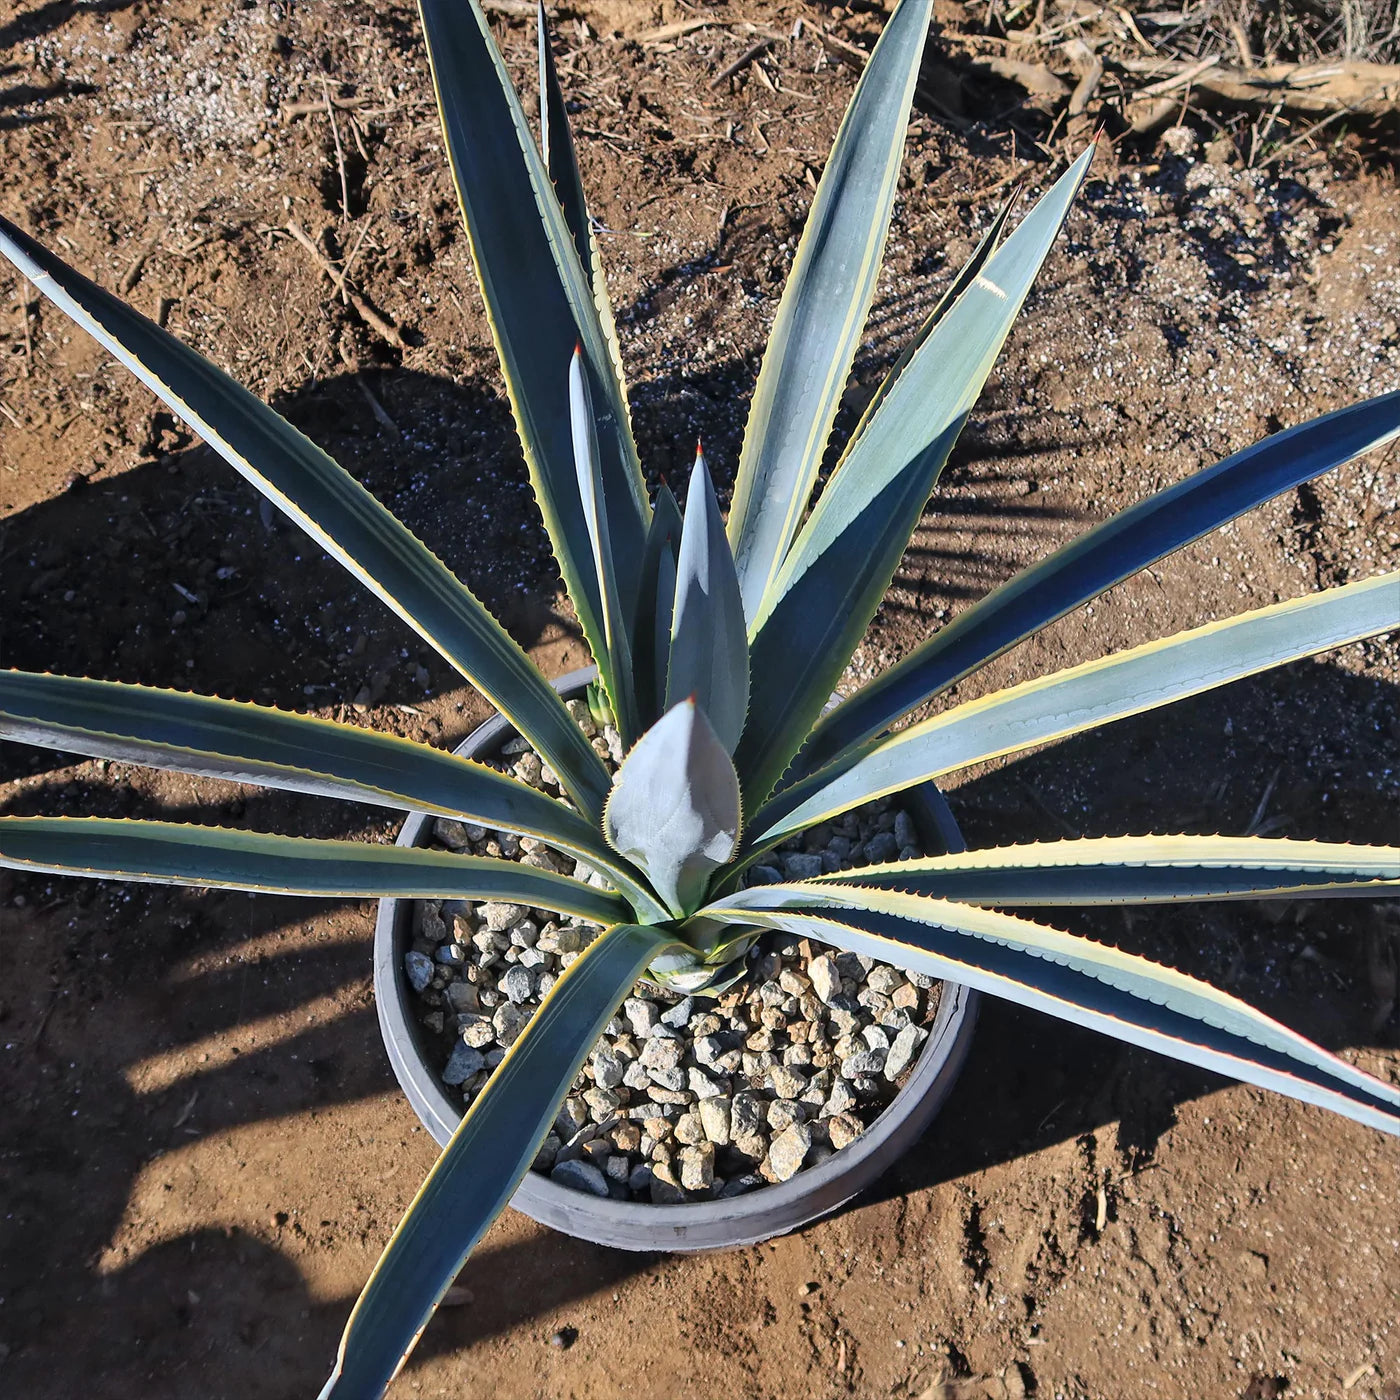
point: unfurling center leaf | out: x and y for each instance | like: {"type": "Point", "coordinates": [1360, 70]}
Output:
{"type": "Point", "coordinates": [674, 806]}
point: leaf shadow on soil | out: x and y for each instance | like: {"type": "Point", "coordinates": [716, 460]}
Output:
{"type": "Point", "coordinates": [88, 987]}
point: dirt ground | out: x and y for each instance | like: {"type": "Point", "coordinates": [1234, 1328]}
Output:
{"type": "Point", "coordinates": [201, 1147]}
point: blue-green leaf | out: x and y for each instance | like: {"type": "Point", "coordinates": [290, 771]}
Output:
{"type": "Point", "coordinates": [824, 307]}
{"type": "Point", "coordinates": [831, 582]}
{"type": "Point", "coordinates": [1140, 870]}
{"type": "Point", "coordinates": [615, 658]}
{"type": "Point", "coordinates": [709, 641]}
{"type": "Point", "coordinates": [245, 743]}
{"type": "Point", "coordinates": [1106, 555]}
{"type": "Point", "coordinates": [332, 507]}
{"type": "Point", "coordinates": [485, 1161]}
{"type": "Point", "coordinates": [656, 594]}
{"type": "Point", "coordinates": [540, 301]}
{"type": "Point", "coordinates": [172, 853]}
{"type": "Point", "coordinates": [1086, 983]}
{"type": "Point", "coordinates": [1084, 696]}
{"type": "Point", "coordinates": [674, 807]}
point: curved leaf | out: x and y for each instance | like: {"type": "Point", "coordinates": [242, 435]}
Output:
{"type": "Point", "coordinates": [1106, 555]}
{"type": "Point", "coordinates": [172, 853]}
{"type": "Point", "coordinates": [485, 1161]}
{"type": "Point", "coordinates": [245, 743]}
{"type": "Point", "coordinates": [332, 507]}
{"type": "Point", "coordinates": [835, 575]}
{"type": "Point", "coordinates": [674, 807]}
{"type": "Point", "coordinates": [1084, 696]}
{"type": "Point", "coordinates": [824, 307]}
{"type": "Point", "coordinates": [1087, 983]}
{"type": "Point", "coordinates": [561, 163]}
{"type": "Point", "coordinates": [709, 642]}
{"type": "Point", "coordinates": [1140, 870]}
{"type": "Point", "coordinates": [540, 302]}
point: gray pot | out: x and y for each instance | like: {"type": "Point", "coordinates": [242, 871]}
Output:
{"type": "Point", "coordinates": [758, 1215]}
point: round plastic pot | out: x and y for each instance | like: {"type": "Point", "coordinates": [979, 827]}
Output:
{"type": "Point", "coordinates": [757, 1215]}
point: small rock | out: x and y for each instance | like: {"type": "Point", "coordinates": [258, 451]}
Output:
{"type": "Point", "coordinates": [518, 984]}
{"type": "Point", "coordinates": [461, 997]}
{"type": "Point", "coordinates": [765, 875]}
{"type": "Point", "coordinates": [783, 1113]}
{"type": "Point", "coordinates": [883, 978]}
{"type": "Point", "coordinates": [452, 834]}
{"type": "Point", "coordinates": [476, 1031]}
{"type": "Point", "coordinates": [905, 997]}
{"type": "Point", "coordinates": [863, 1062]}
{"type": "Point", "coordinates": [702, 1085]}
{"type": "Point", "coordinates": [509, 1021]}
{"type": "Point", "coordinates": [841, 1099]}
{"type": "Point", "coordinates": [882, 848]}
{"type": "Point", "coordinates": [602, 1103]}
{"type": "Point", "coordinates": [564, 1338]}
{"type": "Point", "coordinates": [464, 1061]}
{"type": "Point", "coordinates": [579, 1175]}
{"type": "Point", "coordinates": [826, 981]}
{"type": "Point", "coordinates": [697, 1166]}
{"type": "Point", "coordinates": [641, 1015]}
{"type": "Point", "coordinates": [608, 1069]}
{"type": "Point", "coordinates": [418, 968]}
{"type": "Point", "coordinates": [902, 1052]}
{"type": "Point", "coordinates": [714, 1119]}
{"type": "Point", "coordinates": [661, 1055]}
{"type": "Point", "coordinates": [679, 1015]}
{"type": "Point", "coordinates": [875, 1038]}
{"type": "Point", "coordinates": [844, 1129]}
{"type": "Point", "coordinates": [689, 1129]}
{"type": "Point", "coordinates": [499, 917]}
{"type": "Point", "coordinates": [572, 1115]}
{"type": "Point", "coordinates": [802, 867]}
{"type": "Point", "coordinates": [788, 1150]}
{"type": "Point", "coordinates": [905, 832]}
{"type": "Point", "coordinates": [787, 1083]}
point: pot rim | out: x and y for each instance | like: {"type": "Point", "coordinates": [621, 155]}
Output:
{"type": "Point", "coordinates": [694, 1225]}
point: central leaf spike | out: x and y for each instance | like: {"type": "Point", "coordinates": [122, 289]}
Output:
{"type": "Point", "coordinates": [675, 807]}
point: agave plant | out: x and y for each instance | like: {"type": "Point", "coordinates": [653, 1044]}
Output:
{"type": "Point", "coordinates": [717, 649]}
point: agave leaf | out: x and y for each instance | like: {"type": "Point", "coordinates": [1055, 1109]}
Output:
{"type": "Point", "coordinates": [561, 163]}
{"type": "Point", "coordinates": [540, 301]}
{"type": "Point", "coordinates": [1140, 870]}
{"type": "Point", "coordinates": [967, 275]}
{"type": "Point", "coordinates": [1106, 555]}
{"type": "Point", "coordinates": [824, 307]}
{"type": "Point", "coordinates": [1087, 983]}
{"type": "Point", "coordinates": [485, 1161]}
{"type": "Point", "coordinates": [656, 593]}
{"type": "Point", "coordinates": [615, 660]}
{"type": "Point", "coordinates": [835, 575]}
{"type": "Point", "coordinates": [674, 807]}
{"type": "Point", "coordinates": [709, 642]}
{"type": "Point", "coordinates": [1084, 696]}
{"type": "Point", "coordinates": [332, 507]}
{"type": "Point", "coordinates": [661, 624]}
{"type": "Point", "coordinates": [174, 853]}
{"type": "Point", "coordinates": [257, 744]}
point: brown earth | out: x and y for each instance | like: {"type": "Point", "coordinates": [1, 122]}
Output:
{"type": "Point", "coordinates": [201, 1146]}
